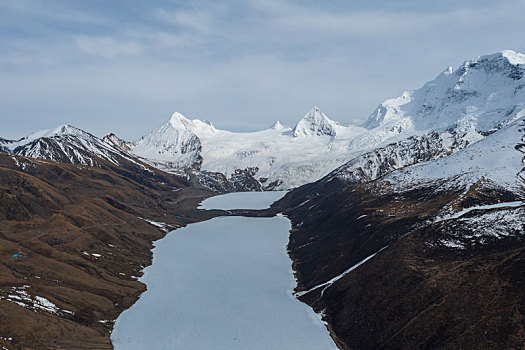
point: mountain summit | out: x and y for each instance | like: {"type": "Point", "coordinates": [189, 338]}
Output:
{"type": "Point", "coordinates": [456, 109]}
{"type": "Point", "coordinates": [195, 126]}
{"type": "Point", "coordinates": [480, 93]}
{"type": "Point", "coordinates": [314, 123]}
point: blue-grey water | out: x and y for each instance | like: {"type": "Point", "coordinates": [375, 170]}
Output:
{"type": "Point", "coordinates": [225, 283]}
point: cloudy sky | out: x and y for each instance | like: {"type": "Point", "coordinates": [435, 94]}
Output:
{"type": "Point", "coordinates": [124, 66]}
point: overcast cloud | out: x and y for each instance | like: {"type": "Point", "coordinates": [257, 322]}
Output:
{"type": "Point", "coordinates": [124, 66]}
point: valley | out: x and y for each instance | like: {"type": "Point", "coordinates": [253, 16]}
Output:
{"type": "Point", "coordinates": [407, 231]}
{"type": "Point", "coordinates": [226, 284]}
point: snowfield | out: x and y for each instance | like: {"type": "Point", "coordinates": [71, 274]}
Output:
{"type": "Point", "coordinates": [497, 158]}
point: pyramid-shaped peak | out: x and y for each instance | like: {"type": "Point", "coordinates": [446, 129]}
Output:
{"type": "Point", "coordinates": [279, 126]}
{"type": "Point", "coordinates": [315, 111]}
{"type": "Point", "coordinates": [314, 123]}
{"type": "Point", "coordinates": [194, 126]}
{"type": "Point", "coordinates": [179, 121]}
{"type": "Point", "coordinates": [117, 142]}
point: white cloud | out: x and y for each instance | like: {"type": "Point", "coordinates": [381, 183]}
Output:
{"type": "Point", "coordinates": [198, 20]}
{"type": "Point", "coordinates": [107, 47]}
{"type": "Point", "coordinates": [379, 23]}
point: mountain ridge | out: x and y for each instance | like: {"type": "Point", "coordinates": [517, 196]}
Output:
{"type": "Point", "coordinates": [477, 98]}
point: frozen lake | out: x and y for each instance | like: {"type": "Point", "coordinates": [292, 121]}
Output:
{"type": "Point", "coordinates": [225, 283]}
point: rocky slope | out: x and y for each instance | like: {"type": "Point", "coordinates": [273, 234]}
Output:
{"type": "Point", "coordinates": [428, 256]}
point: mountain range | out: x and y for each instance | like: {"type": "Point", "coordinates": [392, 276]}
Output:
{"type": "Point", "coordinates": [456, 109]}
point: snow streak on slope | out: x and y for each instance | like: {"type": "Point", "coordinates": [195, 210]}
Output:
{"type": "Point", "coordinates": [327, 284]}
{"type": "Point", "coordinates": [482, 207]}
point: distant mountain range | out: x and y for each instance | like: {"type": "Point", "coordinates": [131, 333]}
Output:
{"type": "Point", "coordinates": [458, 108]}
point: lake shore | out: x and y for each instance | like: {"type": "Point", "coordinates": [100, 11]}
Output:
{"type": "Point", "coordinates": [225, 283]}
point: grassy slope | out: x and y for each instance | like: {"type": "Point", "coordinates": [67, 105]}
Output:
{"type": "Point", "coordinates": [415, 294]}
{"type": "Point", "coordinates": [80, 209]}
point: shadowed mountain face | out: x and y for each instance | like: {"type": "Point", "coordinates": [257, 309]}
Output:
{"type": "Point", "coordinates": [456, 283]}
{"type": "Point", "coordinates": [429, 256]}
{"type": "Point", "coordinates": [73, 241]}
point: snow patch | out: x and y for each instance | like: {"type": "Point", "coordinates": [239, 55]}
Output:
{"type": "Point", "coordinates": [481, 207]}
{"type": "Point", "coordinates": [162, 225]}
{"type": "Point", "coordinates": [21, 297]}
{"type": "Point", "coordinates": [327, 284]}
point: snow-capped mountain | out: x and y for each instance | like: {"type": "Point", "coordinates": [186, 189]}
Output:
{"type": "Point", "coordinates": [421, 223]}
{"type": "Point", "coordinates": [374, 164]}
{"type": "Point", "coordinates": [4, 144]}
{"type": "Point", "coordinates": [280, 157]}
{"type": "Point", "coordinates": [498, 160]}
{"type": "Point", "coordinates": [67, 144]}
{"type": "Point", "coordinates": [175, 144]}
{"type": "Point", "coordinates": [315, 123]}
{"type": "Point", "coordinates": [482, 93]}
{"type": "Point", "coordinates": [117, 142]}
{"type": "Point", "coordinates": [456, 109]}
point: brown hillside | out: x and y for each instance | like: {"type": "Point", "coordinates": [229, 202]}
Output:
{"type": "Point", "coordinates": [91, 247]}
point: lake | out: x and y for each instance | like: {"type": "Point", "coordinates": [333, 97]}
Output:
{"type": "Point", "coordinates": [225, 283]}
